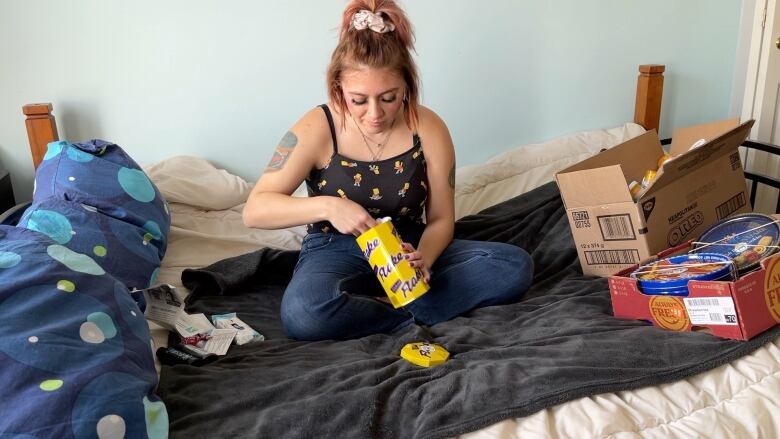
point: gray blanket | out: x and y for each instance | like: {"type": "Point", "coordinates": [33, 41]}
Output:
{"type": "Point", "coordinates": [557, 344]}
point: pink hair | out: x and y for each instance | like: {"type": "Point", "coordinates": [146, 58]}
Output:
{"type": "Point", "coordinates": [392, 50]}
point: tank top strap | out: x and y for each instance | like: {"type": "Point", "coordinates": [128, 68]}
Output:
{"type": "Point", "coordinates": [331, 125]}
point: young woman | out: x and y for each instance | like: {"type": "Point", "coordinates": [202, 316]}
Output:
{"type": "Point", "coordinates": [374, 151]}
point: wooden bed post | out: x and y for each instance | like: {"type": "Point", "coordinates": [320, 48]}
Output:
{"type": "Point", "coordinates": [41, 129]}
{"type": "Point", "coordinates": [649, 91]}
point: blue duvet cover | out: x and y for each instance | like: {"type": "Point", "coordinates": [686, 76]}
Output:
{"type": "Point", "coordinates": [76, 359]}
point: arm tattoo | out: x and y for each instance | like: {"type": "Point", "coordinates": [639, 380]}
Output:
{"type": "Point", "coordinates": [452, 176]}
{"type": "Point", "coordinates": [283, 151]}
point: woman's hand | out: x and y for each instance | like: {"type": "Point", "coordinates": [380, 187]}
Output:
{"type": "Point", "coordinates": [415, 260]}
{"type": "Point", "coordinates": [349, 217]}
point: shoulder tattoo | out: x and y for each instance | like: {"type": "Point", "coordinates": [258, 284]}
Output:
{"type": "Point", "coordinates": [452, 176]}
{"type": "Point", "coordinates": [283, 151]}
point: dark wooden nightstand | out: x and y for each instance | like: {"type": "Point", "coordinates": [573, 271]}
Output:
{"type": "Point", "coordinates": [6, 191]}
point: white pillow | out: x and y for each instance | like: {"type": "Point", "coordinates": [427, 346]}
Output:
{"type": "Point", "coordinates": [196, 182]}
{"type": "Point", "coordinates": [526, 167]}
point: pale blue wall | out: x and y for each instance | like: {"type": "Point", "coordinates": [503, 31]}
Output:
{"type": "Point", "coordinates": [224, 80]}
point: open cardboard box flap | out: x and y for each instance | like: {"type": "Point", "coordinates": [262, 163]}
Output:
{"type": "Point", "coordinates": [635, 156]}
{"type": "Point", "coordinates": [590, 187]}
{"type": "Point", "coordinates": [684, 138]}
{"type": "Point", "coordinates": [725, 143]}
{"type": "Point", "coordinates": [612, 230]}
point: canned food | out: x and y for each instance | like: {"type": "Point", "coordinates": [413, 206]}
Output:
{"type": "Point", "coordinates": [648, 178]}
{"type": "Point", "coordinates": [634, 188]}
{"type": "Point", "coordinates": [670, 276]}
{"type": "Point", "coordinates": [745, 238]}
{"type": "Point", "coordinates": [663, 159]}
{"type": "Point", "coordinates": [381, 246]}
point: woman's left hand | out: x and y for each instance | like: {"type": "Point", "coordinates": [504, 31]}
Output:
{"type": "Point", "coordinates": [415, 260]}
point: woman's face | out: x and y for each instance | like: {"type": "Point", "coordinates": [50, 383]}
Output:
{"type": "Point", "coordinates": [374, 97]}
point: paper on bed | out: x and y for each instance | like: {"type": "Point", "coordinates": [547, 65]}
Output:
{"type": "Point", "coordinates": [164, 308]}
{"type": "Point", "coordinates": [188, 325]}
{"type": "Point", "coordinates": [219, 341]}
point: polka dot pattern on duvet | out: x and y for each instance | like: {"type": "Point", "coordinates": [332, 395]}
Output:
{"type": "Point", "coordinates": [125, 251]}
{"type": "Point", "coordinates": [79, 155]}
{"type": "Point", "coordinates": [51, 385]}
{"type": "Point", "coordinates": [103, 407]}
{"type": "Point", "coordinates": [9, 259]}
{"type": "Point", "coordinates": [74, 261]}
{"type": "Point", "coordinates": [77, 329]}
{"type": "Point", "coordinates": [53, 224]}
{"type": "Point", "coordinates": [136, 184]}
{"type": "Point", "coordinates": [66, 285]}
{"type": "Point", "coordinates": [53, 149]}
{"type": "Point", "coordinates": [74, 344]}
{"type": "Point", "coordinates": [101, 177]}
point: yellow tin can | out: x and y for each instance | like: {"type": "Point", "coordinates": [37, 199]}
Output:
{"type": "Point", "coordinates": [647, 180]}
{"type": "Point", "coordinates": [381, 246]}
{"type": "Point", "coordinates": [424, 353]}
{"type": "Point", "coordinates": [663, 159]}
{"type": "Point", "coordinates": [634, 188]}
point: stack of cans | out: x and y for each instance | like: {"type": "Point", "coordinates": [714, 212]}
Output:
{"type": "Point", "coordinates": [670, 276]}
{"type": "Point", "coordinates": [724, 252]}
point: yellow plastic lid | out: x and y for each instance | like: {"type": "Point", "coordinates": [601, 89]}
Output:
{"type": "Point", "coordinates": [424, 354]}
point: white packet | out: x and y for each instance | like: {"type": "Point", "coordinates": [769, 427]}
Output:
{"type": "Point", "coordinates": [230, 321]}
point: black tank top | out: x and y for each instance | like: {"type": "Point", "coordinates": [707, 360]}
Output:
{"type": "Point", "coordinates": [396, 187]}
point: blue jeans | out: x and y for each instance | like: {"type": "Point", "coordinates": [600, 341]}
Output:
{"type": "Point", "coordinates": [330, 294]}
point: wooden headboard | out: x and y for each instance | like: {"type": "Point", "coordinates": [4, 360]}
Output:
{"type": "Point", "coordinates": [649, 91]}
{"type": "Point", "coordinates": [42, 128]}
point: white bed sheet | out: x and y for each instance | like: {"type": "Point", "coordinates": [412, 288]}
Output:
{"type": "Point", "coordinates": [736, 400]}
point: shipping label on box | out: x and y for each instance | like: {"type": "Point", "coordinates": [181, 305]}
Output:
{"type": "Point", "coordinates": [711, 310]}
{"type": "Point", "coordinates": [606, 236]}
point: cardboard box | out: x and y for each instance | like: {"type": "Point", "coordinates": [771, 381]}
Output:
{"type": "Point", "coordinates": [739, 310]}
{"type": "Point", "coordinates": [692, 191]}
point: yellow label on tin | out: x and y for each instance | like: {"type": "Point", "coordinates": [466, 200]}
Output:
{"type": "Point", "coordinates": [772, 288]}
{"type": "Point", "coordinates": [669, 313]}
{"type": "Point", "coordinates": [381, 246]}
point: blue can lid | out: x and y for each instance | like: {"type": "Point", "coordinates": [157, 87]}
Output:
{"type": "Point", "coordinates": [675, 272]}
{"type": "Point", "coordinates": [672, 290]}
{"type": "Point", "coordinates": [683, 289]}
{"type": "Point", "coordinates": [745, 238]}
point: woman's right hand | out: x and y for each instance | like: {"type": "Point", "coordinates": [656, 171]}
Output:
{"type": "Point", "coordinates": [349, 217]}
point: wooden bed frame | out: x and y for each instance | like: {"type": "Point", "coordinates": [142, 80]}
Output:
{"type": "Point", "coordinates": [42, 127]}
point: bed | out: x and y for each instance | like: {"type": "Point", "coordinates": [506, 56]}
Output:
{"type": "Point", "coordinates": [735, 399]}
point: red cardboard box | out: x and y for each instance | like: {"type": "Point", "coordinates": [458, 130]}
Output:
{"type": "Point", "coordinates": [739, 310]}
